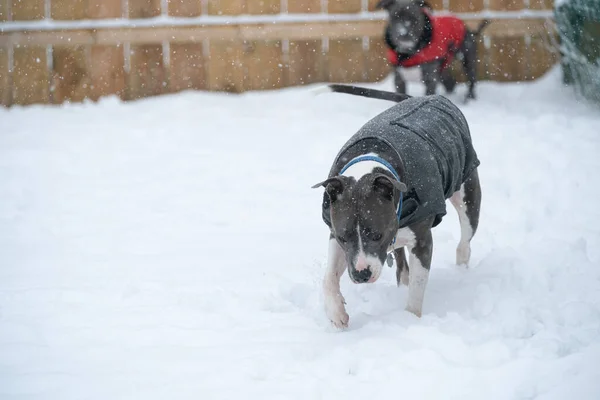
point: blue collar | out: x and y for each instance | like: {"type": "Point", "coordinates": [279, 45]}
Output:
{"type": "Point", "coordinates": [385, 164]}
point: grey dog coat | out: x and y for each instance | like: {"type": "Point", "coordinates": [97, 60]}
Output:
{"type": "Point", "coordinates": [427, 141]}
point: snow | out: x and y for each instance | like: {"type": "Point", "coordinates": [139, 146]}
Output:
{"type": "Point", "coordinates": [172, 248]}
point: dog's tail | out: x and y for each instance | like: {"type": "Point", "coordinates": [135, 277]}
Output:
{"type": "Point", "coordinates": [371, 93]}
{"type": "Point", "coordinates": [481, 26]}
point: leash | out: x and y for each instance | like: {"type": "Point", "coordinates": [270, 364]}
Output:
{"type": "Point", "coordinates": [395, 174]}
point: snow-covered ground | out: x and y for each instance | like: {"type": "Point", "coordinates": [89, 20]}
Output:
{"type": "Point", "coordinates": [172, 248]}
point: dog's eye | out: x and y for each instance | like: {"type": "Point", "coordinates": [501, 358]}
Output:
{"type": "Point", "coordinates": [372, 235]}
{"type": "Point", "coordinates": [341, 239]}
{"type": "Point", "coordinates": [376, 237]}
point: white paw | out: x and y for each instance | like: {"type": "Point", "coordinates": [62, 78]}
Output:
{"type": "Point", "coordinates": [414, 310]}
{"type": "Point", "coordinates": [336, 311]}
{"type": "Point", "coordinates": [463, 254]}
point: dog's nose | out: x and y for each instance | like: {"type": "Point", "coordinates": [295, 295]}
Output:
{"type": "Point", "coordinates": [361, 276]}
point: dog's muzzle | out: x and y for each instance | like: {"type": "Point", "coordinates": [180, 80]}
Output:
{"type": "Point", "coordinates": [365, 273]}
{"type": "Point", "coordinates": [362, 276]}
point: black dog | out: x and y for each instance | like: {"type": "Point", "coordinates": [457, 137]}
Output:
{"type": "Point", "coordinates": [417, 38]}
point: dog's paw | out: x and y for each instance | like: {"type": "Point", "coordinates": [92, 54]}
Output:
{"type": "Point", "coordinates": [413, 310]}
{"type": "Point", "coordinates": [341, 320]}
{"type": "Point", "coordinates": [463, 254]}
{"type": "Point", "coordinates": [336, 312]}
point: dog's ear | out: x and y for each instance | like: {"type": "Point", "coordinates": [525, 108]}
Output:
{"type": "Point", "coordinates": [424, 4]}
{"type": "Point", "coordinates": [386, 186]}
{"type": "Point", "coordinates": [385, 4]}
{"type": "Point", "coordinates": [333, 186]}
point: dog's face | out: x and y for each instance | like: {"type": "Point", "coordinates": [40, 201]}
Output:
{"type": "Point", "coordinates": [363, 220]}
{"type": "Point", "coordinates": [406, 23]}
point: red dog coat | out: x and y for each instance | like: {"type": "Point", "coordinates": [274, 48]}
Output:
{"type": "Point", "coordinates": [448, 34]}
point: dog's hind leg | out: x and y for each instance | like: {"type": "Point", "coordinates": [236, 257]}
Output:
{"type": "Point", "coordinates": [448, 80]}
{"type": "Point", "coordinates": [469, 50]}
{"type": "Point", "coordinates": [467, 202]}
{"type": "Point", "coordinates": [334, 301]}
{"type": "Point", "coordinates": [401, 267]}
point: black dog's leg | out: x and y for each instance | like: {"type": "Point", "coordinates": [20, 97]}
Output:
{"type": "Point", "coordinates": [399, 81]}
{"type": "Point", "coordinates": [469, 50]}
{"type": "Point", "coordinates": [430, 76]}
{"type": "Point", "coordinates": [448, 80]}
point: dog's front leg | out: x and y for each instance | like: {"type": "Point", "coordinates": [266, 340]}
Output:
{"type": "Point", "coordinates": [430, 75]}
{"type": "Point", "coordinates": [334, 301]}
{"type": "Point", "coordinates": [419, 265]}
{"type": "Point", "coordinates": [399, 81]}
